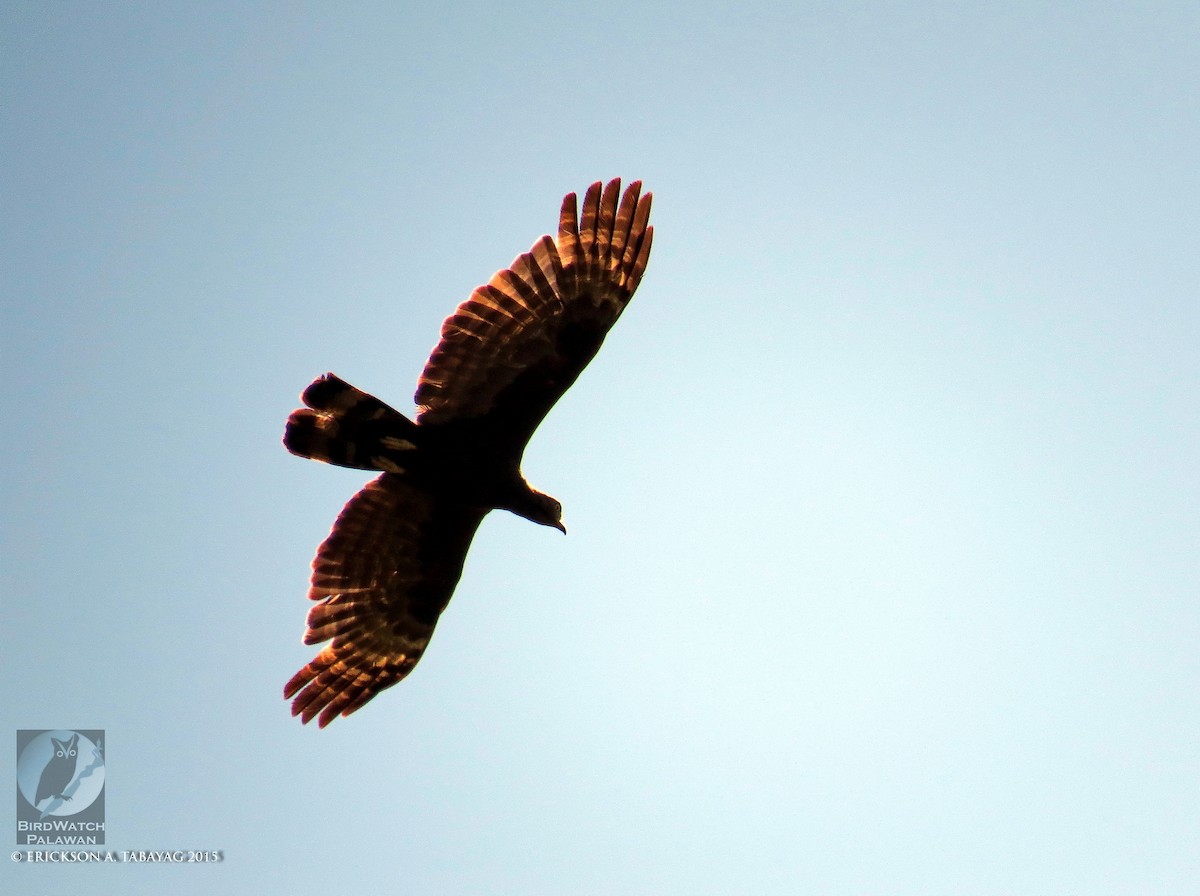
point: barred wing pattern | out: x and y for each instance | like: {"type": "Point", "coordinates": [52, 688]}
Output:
{"type": "Point", "coordinates": [512, 349]}
{"type": "Point", "coordinates": [383, 577]}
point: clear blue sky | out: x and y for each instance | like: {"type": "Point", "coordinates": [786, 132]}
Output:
{"type": "Point", "coordinates": [883, 497]}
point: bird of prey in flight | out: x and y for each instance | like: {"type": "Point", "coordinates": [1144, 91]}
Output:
{"type": "Point", "coordinates": [387, 570]}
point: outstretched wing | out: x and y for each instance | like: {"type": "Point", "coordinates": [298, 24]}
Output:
{"type": "Point", "coordinates": [518, 342]}
{"type": "Point", "coordinates": [383, 576]}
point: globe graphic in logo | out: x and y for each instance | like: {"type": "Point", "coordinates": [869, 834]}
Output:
{"type": "Point", "coordinates": [60, 773]}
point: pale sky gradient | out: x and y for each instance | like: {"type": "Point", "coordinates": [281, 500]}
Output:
{"type": "Point", "coordinates": [883, 497]}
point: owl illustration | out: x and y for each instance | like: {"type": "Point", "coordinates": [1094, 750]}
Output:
{"type": "Point", "coordinates": [59, 770]}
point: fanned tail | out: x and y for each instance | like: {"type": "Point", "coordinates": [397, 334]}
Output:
{"type": "Point", "coordinates": [345, 426]}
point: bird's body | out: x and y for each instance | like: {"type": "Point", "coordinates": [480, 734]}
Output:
{"type": "Point", "coordinates": [396, 551]}
{"type": "Point", "coordinates": [59, 770]}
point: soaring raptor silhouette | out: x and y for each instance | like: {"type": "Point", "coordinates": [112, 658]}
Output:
{"type": "Point", "coordinates": [396, 551]}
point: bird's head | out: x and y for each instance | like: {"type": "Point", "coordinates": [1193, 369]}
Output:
{"type": "Point", "coordinates": [542, 509]}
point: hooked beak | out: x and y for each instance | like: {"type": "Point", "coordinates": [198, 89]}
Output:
{"type": "Point", "coordinates": [560, 527]}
